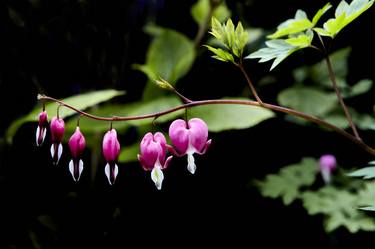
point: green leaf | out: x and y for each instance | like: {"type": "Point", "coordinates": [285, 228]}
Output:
{"type": "Point", "coordinates": [292, 26]}
{"type": "Point", "coordinates": [170, 56]}
{"type": "Point", "coordinates": [303, 40]}
{"type": "Point", "coordinates": [320, 12]}
{"type": "Point", "coordinates": [319, 73]}
{"type": "Point", "coordinates": [232, 39]}
{"type": "Point", "coordinates": [226, 117]}
{"type": "Point", "coordinates": [369, 208]}
{"type": "Point", "coordinates": [339, 207]}
{"type": "Point", "coordinates": [200, 10]}
{"type": "Point", "coordinates": [276, 49]}
{"type": "Point", "coordinates": [81, 102]}
{"type": "Point", "coordinates": [365, 173]}
{"type": "Point", "coordinates": [220, 54]}
{"type": "Point", "coordinates": [363, 86]}
{"type": "Point", "coordinates": [345, 13]}
{"type": "Point", "coordinates": [308, 100]}
{"type": "Point", "coordinates": [287, 183]}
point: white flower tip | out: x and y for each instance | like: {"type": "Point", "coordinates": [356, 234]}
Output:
{"type": "Point", "coordinates": [191, 163]}
{"type": "Point", "coordinates": [326, 175]}
{"type": "Point", "coordinates": [157, 177]}
{"type": "Point", "coordinates": [111, 173]}
{"type": "Point", "coordinates": [72, 170]}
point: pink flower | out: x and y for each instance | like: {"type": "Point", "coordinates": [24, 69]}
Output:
{"type": "Point", "coordinates": [57, 133]}
{"type": "Point", "coordinates": [111, 150]}
{"type": "Point", "coordinates": [153, 151]}
{"type": "Point", "coordinates": [327, 164]}
{"type": "Point", "coordinates": [77, 144]}
{"type": "Point", "coordinates": [42, 128]}
{"type": "Point", "coordinates": [189, 138]}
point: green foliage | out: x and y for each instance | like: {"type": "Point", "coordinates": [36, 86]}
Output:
{"type": "Point", "coordinates": [170, 55]}
{"type": "Point", "coordinates": [233, 39]}
{"type": "Point", "coordinates": [276, 49]}
{"type": "Point", "coordinates": [297, 32]}
{"type": "Point", "coordinates": [340, 206]}
{"type": "Point", "coordinates": [200, 10]}
{"type": "Point", "coordinates": [365, 173]}
{"type": "Point", "coordinates": [308, 99]}
{"type": "Point", "coordinates": [304, 98]}
{"type": "Point", "coordinates": [288, 183]}
{"type": "Point", "coordinates": [227, 117]}
{"type": "Point", "coordinates": [81, 102]}
{"type": "Point", "coordinates": [345, 13]}
{"type": "Point", "coordinates": [299, 23]}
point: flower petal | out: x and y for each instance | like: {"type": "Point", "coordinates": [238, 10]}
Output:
{"type": "Point", "coordinates": [198, 131]}
{"type": "Point", "coordinates": [208, 144]}
{"type": "Point", "coordinates": [191, 163]}
{"type": "Point", "coordinates": [157, 177]}
{"type": "Point", "coordinates": [76, 168]}
{"type": "Point", "coordinates": [179, 135]}
{"type": "Point", "coordinates": [111, 171]}
{"type": "Point", "coordinates": [166, 164]}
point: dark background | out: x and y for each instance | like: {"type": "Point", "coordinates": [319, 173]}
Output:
{"type": "Point", "coordinates": [67, 47]}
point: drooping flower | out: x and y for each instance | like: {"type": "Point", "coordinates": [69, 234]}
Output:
{"type": "Point", "coordinates": [57, 132]}
{"type": "Point", "coordinates": [41, 131]}
{"type": "Point", "coordinates": [152, 158]}
{"type": "Point", "coordinates": [189, 138]}
{"type": "Point", "coordinates": [327, 164]}
{"type": "Point", "coordinates": [111, 150]}
{"type": "Point", "coordinates": [77, 144]}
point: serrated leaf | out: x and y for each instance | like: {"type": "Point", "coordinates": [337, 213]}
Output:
{"type": "Point", "coordinates": [221, 54]}
{"type": "Point", "coordinates": [365, 173]}
{"type": "Point", "coordinates": [340, 207]}
{"type": "Point", "coordinates": [345, 13]}
{"type": "Point", "coordinates": [292, 26]}
{"type": "Point", "coordinates": [305, 99]}
{"type": "Point", "coordinates": [286, 184]}
{"type": "Point", "coordinates": [276, 49]}
{"type": "Point", "coordinates": [302, 40]}
{"type": "Point", "coordinates": [321, 12]}
{"type": "Point", "coordinates": [228, 117]}
{"type": "Point", "coordinates": [81, 102]}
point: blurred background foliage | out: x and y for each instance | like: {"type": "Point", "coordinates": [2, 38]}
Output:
{"type": "Point", "coordinates": [102, 57]}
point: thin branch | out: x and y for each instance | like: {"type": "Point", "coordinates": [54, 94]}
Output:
{"type": "Point", "coordinates": [339, 96]}
{"type": "Point", "coordinates": [311, 118]}
{"type": "Point", "coordinates": [251, 85]}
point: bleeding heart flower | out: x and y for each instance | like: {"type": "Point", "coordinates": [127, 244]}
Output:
{"type": "Point", "coordinates": [57, 133]}
{"type": "Point", "coordinates": [77, 144]}
{"type": "Point", "coordinates": [153, 151]}
{"type": "Point", "coordinates": [189, 138]}
{"type": "Point", "coordinates": [111, 150]}
{"type": "Point", "coordinates": [41, 131]}
{"type": "Point", "coordinates": [327, 164]}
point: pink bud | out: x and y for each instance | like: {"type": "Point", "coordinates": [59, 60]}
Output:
{"type": "Point", "coordinates": [327, 164]}
{"type": "Point", "coordinates": [77, 144]}
{"type": "Point", "coordinates": [189, 138]}
{"type": "Point", "coordinates": [111, 150]}
{"type": "Point", "coordinates": [57, 132]}
{"type": "Point", "coordinates": [42, 128]}
{"type": "Point", "coordinates": [153, 151]}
